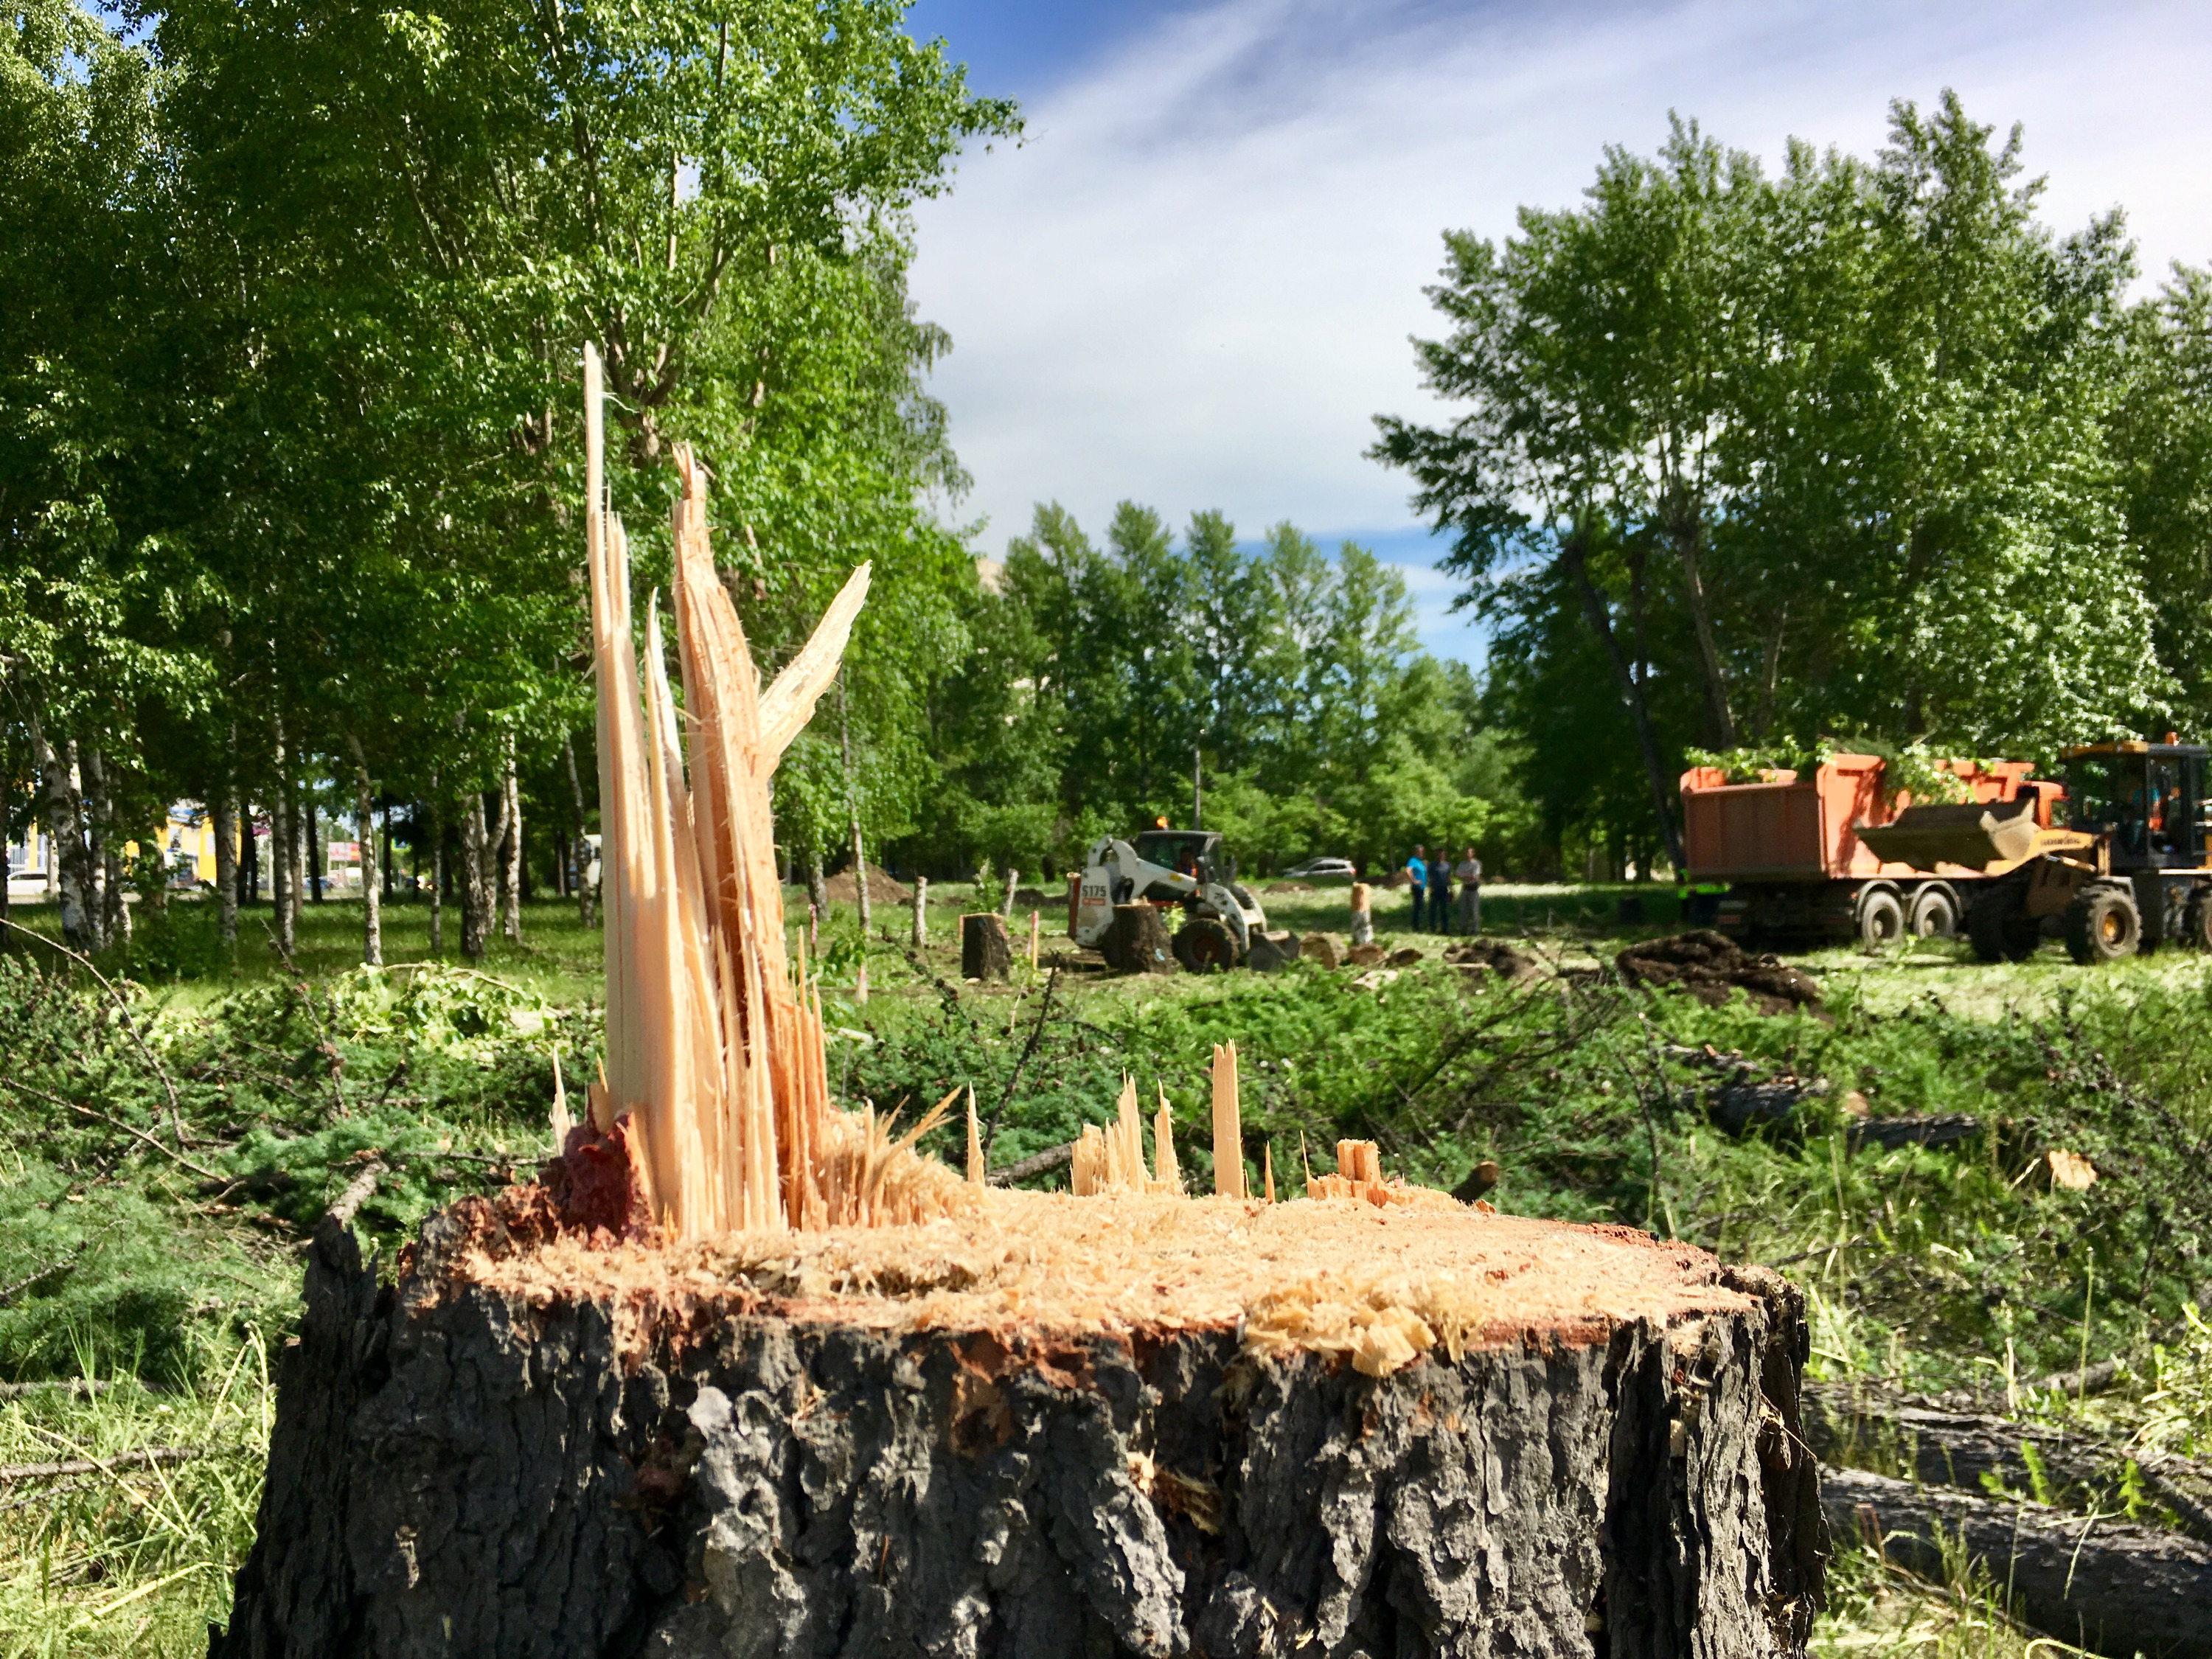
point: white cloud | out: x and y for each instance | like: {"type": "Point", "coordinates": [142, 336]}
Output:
{"type": "Point", "coordinates": [1193, 284]}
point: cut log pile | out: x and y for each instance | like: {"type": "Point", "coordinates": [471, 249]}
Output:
{"type": "Point", "coordinates": [1709, 965]}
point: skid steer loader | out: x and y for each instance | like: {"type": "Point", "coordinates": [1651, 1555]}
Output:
{"type": "Point", "coordinates": [2130, 869]}
{"type": "Point", "coordinates": [1184, 868]}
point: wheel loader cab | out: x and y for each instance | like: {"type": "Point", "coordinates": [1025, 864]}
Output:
{"type": "Point", "coordinates": [1193, 852]}
{"type": "Point", "coordinates": [2149, 797]}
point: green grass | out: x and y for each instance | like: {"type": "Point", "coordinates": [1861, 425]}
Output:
{"type": "Point", "coordinates": [1933, 1267]}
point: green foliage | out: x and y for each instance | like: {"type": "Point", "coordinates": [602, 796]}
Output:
{"type": "Point", "coordinates": [1100, 675]}
{"type": "Point", "coordinates": [1907, 768]}
{"type": "Point", "coordinates": [1837, 448]}
{"type": "Point", "coordinates": [142, 1561]}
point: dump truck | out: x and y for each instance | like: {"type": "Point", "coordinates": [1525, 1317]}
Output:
{"type": "Point", "coordinates": [2124, 866]}
{"type": "Point", "coordinates": [1789, 851]}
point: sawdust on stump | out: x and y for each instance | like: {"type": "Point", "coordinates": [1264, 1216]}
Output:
{"type": "Point", "coordinates": [1709, 965]}
{"type": "Point", "coordinates": [1379, 1286]}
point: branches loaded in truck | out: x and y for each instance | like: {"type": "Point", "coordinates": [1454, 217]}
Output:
{"type": "Point", "coordinates": [1788, 850]}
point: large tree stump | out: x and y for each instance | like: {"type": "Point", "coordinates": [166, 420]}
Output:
{"type": "Point", "coordinates": [1137, 941]}
{"type": "Point", "coordinates": [1057, 1426]}
{"type": "Point", "coordinates": [986, 952]}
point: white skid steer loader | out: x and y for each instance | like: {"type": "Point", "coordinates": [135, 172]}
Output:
{"type": "Point", "coordinates": [1172, 867]}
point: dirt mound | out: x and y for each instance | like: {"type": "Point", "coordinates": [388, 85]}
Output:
{"type": "Point", "coordinates": [1286, 887]}
{"type": "Point", "coordinates": [1709, 965]}
{"type": "Point", "coordinates": [882, 889]}
{"type": "Point", "coordinates": [1494, 954]}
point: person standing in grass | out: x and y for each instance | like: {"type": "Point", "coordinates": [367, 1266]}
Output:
{"type": "Point", "coordinates": [1468, 873]}
{"type": "Point", "coordinates": [1417, 871]}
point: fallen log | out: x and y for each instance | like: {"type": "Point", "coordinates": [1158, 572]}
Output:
{"type": "Point", "coordinates": [143, 1457]}
{"type": "Point", "coordinates": [2109, 1586]}
{"type": "Point", "coordinates": [1973, 1450]}
{"type": "Point", "coordinates": [1019, 1433]}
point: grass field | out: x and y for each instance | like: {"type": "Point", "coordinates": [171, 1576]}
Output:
{"type": "Point", "coordinates": [168, 1268]}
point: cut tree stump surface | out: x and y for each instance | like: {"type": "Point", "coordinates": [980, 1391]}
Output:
{"type": "Point", "coordinates": [1046, 1426]}
{"type": "Point", "coordinates": [1290, 1274]}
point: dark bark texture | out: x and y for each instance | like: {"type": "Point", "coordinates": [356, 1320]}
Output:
{"type": "Point", "coordinates": [987, 952]}
{"type": "Point", "coordinates": [1137, 941]}
{"type": "Point", "coordinates": [460, 1473]}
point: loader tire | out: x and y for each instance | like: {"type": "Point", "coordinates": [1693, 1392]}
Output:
{"type": "Point", "coordinates": [1205, 945]}
{"type": "Point", "coordinates": [2102, 925]}
{"type": "Point", "coordinates": [1998, 931]}
{"type": "Point", "coordinates": [2197, 922]}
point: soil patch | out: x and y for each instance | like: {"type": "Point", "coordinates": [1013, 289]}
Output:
{"type": "Point", "coordinates": [1709, 965]}
{"type": "Point", "coordinates": [1495, 954]}
{"type": "Point", "coordinates": [882, 889]}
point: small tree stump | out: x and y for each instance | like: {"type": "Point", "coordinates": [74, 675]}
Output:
{"type": "Point", "coordinates": [1325, 948]}
{"type": "Point", "coordinates": [1138, 942]}
{"type": "Point", "coordinates": [1273, 952]}
{"type": "Point", "coordinates": [985, 951]}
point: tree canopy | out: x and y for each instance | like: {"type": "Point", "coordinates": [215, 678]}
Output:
{"type": "Point", "coordinates": [1858, 448]}
{"type": "Point", "coordinates": [1736, 458]}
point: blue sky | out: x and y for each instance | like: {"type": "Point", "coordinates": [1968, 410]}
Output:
{"type": "Point", "coordinates": [1193, 282]}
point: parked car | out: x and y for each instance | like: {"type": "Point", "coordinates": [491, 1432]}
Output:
{"type": "Point", "coordinates": [1322, 870]}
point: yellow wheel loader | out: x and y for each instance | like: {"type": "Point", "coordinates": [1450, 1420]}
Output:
{"type": "Point", "coordinates": [2129, 869]}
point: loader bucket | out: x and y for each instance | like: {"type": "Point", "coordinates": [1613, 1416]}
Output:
{"type": "Point", "coordinates": [1973, 835]}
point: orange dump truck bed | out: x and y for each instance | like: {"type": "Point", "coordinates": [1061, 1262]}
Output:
{"type": "Point", "coordinates": [1788, 849]}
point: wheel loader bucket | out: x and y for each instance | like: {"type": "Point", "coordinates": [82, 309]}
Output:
{"type": "Point", "coordinates": [1973, 837]}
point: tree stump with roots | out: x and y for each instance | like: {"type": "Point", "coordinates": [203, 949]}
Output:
{"type": "Point", "coordinates": [1052, 1426]}
{"type": "Point", "coordinates": [1137, 941]}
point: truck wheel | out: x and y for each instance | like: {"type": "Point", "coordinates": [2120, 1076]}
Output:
{"type": "Point", "coordinates": [2102, 925]}
{"type": "Point", "coordinates": [1934, 914]}
{"type": "Point", "coordinates": [1998, 931]}
{"type": "Point", "coordinates": [1204, 945]}
{"type": "Point", "coordinates": [1881, 920]}
{"type": "Point", "coordinates": [2196, 925]}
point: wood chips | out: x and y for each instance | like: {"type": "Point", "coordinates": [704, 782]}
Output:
{"type": "Point", "coordinates": [1380, 1286]}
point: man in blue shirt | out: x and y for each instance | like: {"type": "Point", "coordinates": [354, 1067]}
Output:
{"type": "Point", "coordinates": [1416, 867]}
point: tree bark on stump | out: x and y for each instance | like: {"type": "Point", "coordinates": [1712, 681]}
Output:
{"type": "Point", "coordinates": [985, 951]}
{"type": "Point", "coordinates": [455, 1469]}
{"type": "Point", "coordinates": [1136, 941]}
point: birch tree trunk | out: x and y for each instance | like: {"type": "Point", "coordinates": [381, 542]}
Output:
{"type": "Point", "coordinates": [476, 889]}
{"type": "Point", "coordinates": [371, 898]}
{"type": "Point", "coordinates": [225, 813]}
{"type": "Point", "coordinates": [510, 844]}
{"type": "Point", "coordinates": [437, 868]}
{"type": "Point", "coordinates": [281, 848]}
{"type": "Point", "coordinates": [310, 842]}
{"type": "Point", "coordinates": [64, 815]}
{"type": "Point", "coordinates": [111, 922]}
{"type": "Point", "coordinates": [585, 895]}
